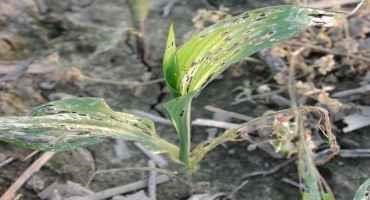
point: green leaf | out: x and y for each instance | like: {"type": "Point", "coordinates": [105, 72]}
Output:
{"type": "Point", "coordinates": [326, 196]}
{"type": "Point", "coordinates": [363, 192]}
{"type": "Point", "coordinates": [191, 67]}
{"type": "Point", "coordinates": [76, 122]}
{"type": "Point", "coordinates": [179, 110]}
{"type": "Point", "coordinates": [210, 52]}
{"type": "Point", "coordinates": [169, 61]}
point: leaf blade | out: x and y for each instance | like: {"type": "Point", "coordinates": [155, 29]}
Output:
{"type": "Point", "coordinates": [210, 52]}
{"type": "Point", "coordinates": [363, 191]}
{"type": "Point", "coordinates": [76, 122]}
{"type": "Point", "coordinates": [169, 61]}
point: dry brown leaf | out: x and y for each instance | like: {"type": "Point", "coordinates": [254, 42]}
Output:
{"type": "Point", "coordinates": [205, 18]}
{"type": "Point", "coordinates": [11, 104]}
{"type": "Point", "coordinates": [325, 64]}
{"type": "Point", "coordinates": [306, 88]}
{"type": "Point", "coordinates": [279, 51]}
{"type": "Point", "coordinates": [297, 59]}
{"type": "Point", "coordinates": [333, 105]}
{"type": "Point", "coordinates": [324, 38]}
{"type": "Point", "coordinates": [12, 46]}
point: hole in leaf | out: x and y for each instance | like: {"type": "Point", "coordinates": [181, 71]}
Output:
{"type": "Point", "coordinates": [270, 33]}
{"type": "Point", "coordinates": [62, 112]}
{"type": "Point", "coordinates": [320, 15]}
{"type": "Point", "coordinates": [245, 15]}
{"type": "Point", "coordinates": [182, 113]}
{"type": "Point", "coordinates": [225, 33]}
{"type": "Point", "coordinates": [261, 16]}
{"type": "Point", "coordinates": [227, 39]}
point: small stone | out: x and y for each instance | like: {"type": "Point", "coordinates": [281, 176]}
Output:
{"type": "Point", "coordinates": [79, 164]}
{"type": "Point", "coordinates": [2, 157]}
{"type": "Point", "coordinates": [36, 183]}
{"type": "Point", "coordinates": [67, 191]}
{"type": "Point", "coordinates": [231, 152]}
{"type": "Point", "coordinates": [251, 147]}
{"type": "Point", "coordinates": [263, 89]}
{"type": "Point", "coordinates": [47, 85]}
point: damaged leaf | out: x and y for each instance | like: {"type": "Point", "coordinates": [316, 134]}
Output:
{"type": "Point", "coordinates": [325, 64]}
{"type": "Point", "coordinates": [363, 192]}
{"type": "Point", "coordinates": [210, 52]}
{"type": "Point", "coordinates": [189, 68]}
{"type": "Point", "coordinates": [76, 122]}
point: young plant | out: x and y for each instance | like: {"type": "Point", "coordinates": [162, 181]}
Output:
{"type": "Point", "coordinates": [190, 68]}
{"type": "Point", "coordinates": [72, 123]}
{"type": "Point", "coordinates": [139, 12]}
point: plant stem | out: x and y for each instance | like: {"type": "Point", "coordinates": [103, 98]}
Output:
{"type": "Point", "coordinates": [185, 142]}
{"type": "Point", "coordinates": [179, 110]}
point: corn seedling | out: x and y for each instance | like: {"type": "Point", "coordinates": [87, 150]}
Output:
{"type": "Point", "coordinates": [188, 69]}
{"type": "Point", "coordinates": [139, 11]}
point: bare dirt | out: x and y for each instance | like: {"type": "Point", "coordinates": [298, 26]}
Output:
{"type": "Point", "coordinates": [94, 37]}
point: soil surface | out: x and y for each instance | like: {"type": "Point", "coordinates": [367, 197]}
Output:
{"type": "Point", "coordinates": [96, 39]}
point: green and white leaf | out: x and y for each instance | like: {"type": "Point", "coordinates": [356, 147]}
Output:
{"type": "Point", "coordinates": [76, 122]}
{"type": "Point", "coordinates": [210, 52]}
{"type": "Point", "coordinates": [363, 192]}
{"type": "Point", "coordinates": [189, 68]}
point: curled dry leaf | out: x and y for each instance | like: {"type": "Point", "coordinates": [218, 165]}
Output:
{"type": "Point", "coordinates": [12, 46]}
{"type": "Point", "coordinates": [325, 64]}
{"type": "Point", "coordinates": [282, 137]}
{"type": "Point", "coordinates": [334, 105]}
{"type": "Point", "coordinates": [11, 103]}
